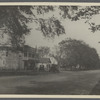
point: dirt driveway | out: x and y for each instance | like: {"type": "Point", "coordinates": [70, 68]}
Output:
{"type": "Point", "coordinates": [67, 82]}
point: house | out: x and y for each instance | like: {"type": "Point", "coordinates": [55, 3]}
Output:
{"type": "Point", "coordinates": [43, 64]}
{"type": "Point", "coordinates": [22, 59]}
{"type": "Point", "coordinates": [53, 61]}
{"type": "Point", "coordinates": [10, 59]}
{"type": "Point", "coordinates": [29, 57]}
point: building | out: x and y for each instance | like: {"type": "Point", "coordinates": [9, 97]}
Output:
{"type": "Point", "coordinates": [10, 59]}
{"type": "Point", "coordinates": [23, 59]}
{"type": "Point", "coordinates": [53, 60]}
{"type": "Point", "coordinates": [29, 57]}
{"type": "Point", "coordinates": [43, 64]}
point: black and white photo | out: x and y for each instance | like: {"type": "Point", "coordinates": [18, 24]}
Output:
{"type": "Point", "coordinates": [50, 49]}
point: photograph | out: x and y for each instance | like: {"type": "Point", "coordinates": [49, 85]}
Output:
{"type": "Point", "coordinates": [50, 49]}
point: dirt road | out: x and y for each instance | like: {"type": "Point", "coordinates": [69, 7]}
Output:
{"type": "Point", "coordinates": [67, 82]}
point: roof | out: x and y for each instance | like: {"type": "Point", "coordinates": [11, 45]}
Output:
{"type": "Point", "coordinates": [53, 60]}
{"type": "Point", "coordinates": [44, 60]}
{"type": "Point", "coordinates": [5, 47]}
{"type": "Point", "coordinates": [27, 48]}
{"type": "Point", "coordinates": [9, 48]}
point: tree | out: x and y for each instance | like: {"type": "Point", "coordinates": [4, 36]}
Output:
{"type": "Point", "coordinates": [75, 13]}
{"type": "Point", "coordinates": [56, 54]}
{"type": "Point", "coordinates": [78, 54]}
{"type": "Point", "coordinates": [43, 51]}
{"type": "Point", "coordinates": [14, 22]}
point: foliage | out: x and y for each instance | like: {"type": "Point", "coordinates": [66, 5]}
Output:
{"type": "Point", "coordinates": [43, 51]}
{"type": "Point", "coordinates": [51, 27]}
{"type": "Point", "coordinates": [77, 53]}
{"type": "Point", "coordinates": [14, 22]}
{"type": "Point", "coordinates": [76, 13]}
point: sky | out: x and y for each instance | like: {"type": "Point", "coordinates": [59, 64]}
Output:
{"type": "Point", "coordinates": [74, 29]}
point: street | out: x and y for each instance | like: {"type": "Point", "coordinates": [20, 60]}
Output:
{"type": "Point", "coordinates": [66, 82]}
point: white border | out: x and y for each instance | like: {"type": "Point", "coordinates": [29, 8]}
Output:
{"type": "Point", "coordinates": [48, 3]}
{"type": "Point", "coordinates": [49, 96]}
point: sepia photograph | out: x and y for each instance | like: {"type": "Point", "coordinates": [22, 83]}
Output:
{"type": "Point", "coordinates": [50, 49]}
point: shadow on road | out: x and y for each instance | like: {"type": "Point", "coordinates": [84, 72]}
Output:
{"type": "Point", "coordinates": [96, 89]}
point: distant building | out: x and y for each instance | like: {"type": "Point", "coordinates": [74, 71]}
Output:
{"type": "Point", "coordinates": [43, 64]}
{"type": "Point", "coordinates": [53, 61]}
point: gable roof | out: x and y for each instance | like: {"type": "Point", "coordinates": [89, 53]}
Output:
{"type": "Point", "coordinates": [27, 48]}
{"type": "Point", "coordinates": [13, 49]}
{"type": "Point", "coordinates": [44, 60]}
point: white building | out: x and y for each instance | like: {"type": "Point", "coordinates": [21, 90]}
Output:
{"type": "Point", "coordinates": [23, 59]}
{"type": "Point", "coordinates": [10, 59]}
{"type": "Point", "coordinates": [43, 64]}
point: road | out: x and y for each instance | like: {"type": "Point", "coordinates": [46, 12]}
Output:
{"type": "Point", "coordinates": [66, 82]}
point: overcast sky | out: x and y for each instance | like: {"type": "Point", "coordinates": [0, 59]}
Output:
{"type": "Point", "coordinates": [75, 30]}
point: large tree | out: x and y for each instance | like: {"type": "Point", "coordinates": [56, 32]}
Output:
{"type": "Point", "coordinates": [14, 20]}
{"type": "Point", "coordinates": [78, 54]}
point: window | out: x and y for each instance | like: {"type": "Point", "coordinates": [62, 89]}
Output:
{"type": "Point", "coordinates": [25, 54]}
{"type": "Point", "coordinates": [6, 53]}
{"type": "Point", "coordinates": [33, 55]}
{"type": "Point", "coordinates": [29, 54]}
{"type": "Point", "coordinates": [3, 62]}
